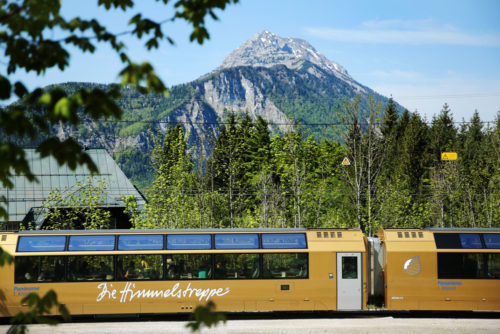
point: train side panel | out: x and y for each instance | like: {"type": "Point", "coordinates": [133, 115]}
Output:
{"type": "Point", "coordinates": [316, 292]}
{"type": "Point", "coordinates": [413, 280]}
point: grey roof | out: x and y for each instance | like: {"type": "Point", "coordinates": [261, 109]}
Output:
{"type": "Point", "coordinates": [27, 195]}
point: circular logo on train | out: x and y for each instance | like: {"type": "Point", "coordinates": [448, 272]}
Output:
{"type": "Point", "coordinates": [413, 267]}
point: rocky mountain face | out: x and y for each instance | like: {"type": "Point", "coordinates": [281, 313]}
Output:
{"type": "Point", "coordinates": [267, 50]}
{"type": "Point", "coordinates": [284, 80]}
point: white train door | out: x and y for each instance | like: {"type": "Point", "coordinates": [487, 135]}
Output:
{"type": "Point", "coordinates": [349, 295]}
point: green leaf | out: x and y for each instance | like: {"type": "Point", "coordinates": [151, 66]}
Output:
{"type": "Point", "coordinates": [5, 88]}
{"type": "Point", "coordinates": [5, 258]}
{"type": "Point", "coordinates": [205, 315]}
{"type": "Point", "coordinates": [63, 109]}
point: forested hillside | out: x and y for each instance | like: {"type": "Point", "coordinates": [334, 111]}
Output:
{"type": "Point", "coordinates": [305, 97]}
{"type": "Point", "coordinates": [395, 177]}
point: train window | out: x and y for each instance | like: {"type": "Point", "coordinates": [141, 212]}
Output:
{"type": "Point", "coordinates": [51, 269]}
{"type": "Point", "coordinates": [91, 242]}
{"type": "Point", "coordinates": [492, 240]}
{"type": "Point", "coordinates": [468, 265]}
{"type": "Point", "coordinates": [284, 240]}
{"type": "Point", "coordinates": [350, 267]}
{"type": "Point", "coordinates": [420, 234]}
{"type": "Point", "coordinates": [407, 234]}
{"type": "Point", "coordinates": [189, 241]}
{"type": "Point", "coordinates": [46, 243]}
{"type": "Point", "coordinates": [494, 266]}
{"type": "Point", "coordinates": [26, 269]}
{"type": "Point", "coordinates": [318, 234]}
{"type": "Point", "coordinates": [287, 265]}
{"type": "Point", "coordinates": [470, 240]}
{"type": "Point", "coordinates": [189, 266]}
{"type": "Point", "coordinates": [90, 268]}
{"type": "Point", "coordinates": [457, 265]}
{"type": "Point", "coordinates": [447, 240]}
{"type": "Point", "coordinates": [140, 242]}
{"type": "Point", "coordinates": [400, 234]}
{"type": "Point", "coordinates": [236, 241]}
{"type": "Point", "coordinates": [332, 234]}
{"type": "Point", "coordinates": [413, 234]}
{"type": "Point", "coordinates": [29, 269]}
{"type": "Point", "coordinates": [139, 267]}
{"type": "Point", "coordinates": [236, 266]}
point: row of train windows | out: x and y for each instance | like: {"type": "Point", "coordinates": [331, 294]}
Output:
{"type": "Point", "coordinates": [468, 265]}
{"type": "Point", "coordinates": [29, 269]}
{"type": "Point", "coordinates": [467, 240]}
{"type": "Point", "coordinates": [56, 243]}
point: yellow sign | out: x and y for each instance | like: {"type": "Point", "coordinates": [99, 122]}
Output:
{"type": "Point", "coordinates": [346, 162]}
{"type": "Point", "coordinates": [446, 156]}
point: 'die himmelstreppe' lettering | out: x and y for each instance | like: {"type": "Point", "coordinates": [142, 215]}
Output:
{"type": "Point", "coordinates": [129, 292]}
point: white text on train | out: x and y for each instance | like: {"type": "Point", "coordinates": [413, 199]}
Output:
{"type": "Point", "coordinates": [129, 292]}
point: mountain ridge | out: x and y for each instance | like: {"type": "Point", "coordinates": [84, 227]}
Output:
{"type": "Point", "coordinates": [287, 82]}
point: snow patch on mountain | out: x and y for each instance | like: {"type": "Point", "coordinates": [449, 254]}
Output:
{"type": "Point", "coordinates": [267, 49]}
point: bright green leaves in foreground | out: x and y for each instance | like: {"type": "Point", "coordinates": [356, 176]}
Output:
{"type": "Point", "coordinates": [39, 308]}
{"type": "Point", "coordinates": [205, 315]}
{"type": "Point", "coordinates": [27, 30]}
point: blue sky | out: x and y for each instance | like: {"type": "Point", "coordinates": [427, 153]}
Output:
{"type": "Point", "coordinates": [423, 53]}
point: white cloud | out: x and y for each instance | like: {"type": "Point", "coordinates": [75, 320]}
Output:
{"type": "Point", "coordinates": [400, 24]}
{"type": "Point", "coordinates": [410, 32]}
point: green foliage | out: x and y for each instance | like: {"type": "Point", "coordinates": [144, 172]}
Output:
{"type": "Point", "coordinates": [396, 177]}
{"type": "Point", "coordinates": [27, 39]}
{"type": "Point", "coordinates": [80, 206]}
{"type": "Point", "coordinates": [5, 258]}
{"type": "Point", "coordinates": [39, 307]}
{"type": "Point", "coordinates": [250, 180]}
{"type": "Point", "coordinates": [133, 129]}
{"type": "Point", "coordinates": [136, 164]}
{"type": "Point", "coordinates": [170, 203]}
{"type": "Point", "coordinates": [205, 315]}
{"type": "Point", "coordinates": [132, 209]}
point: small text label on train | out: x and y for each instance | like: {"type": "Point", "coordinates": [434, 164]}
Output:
{"type": "Point", "coordinates": [448, 285]}
{"type": "Point", "coordinates": [25, 290]}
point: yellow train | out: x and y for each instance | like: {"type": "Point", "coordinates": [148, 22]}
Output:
{"type": "Point", "coordinates": [171, 271]}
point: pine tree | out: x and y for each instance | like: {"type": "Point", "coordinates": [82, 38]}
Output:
{"type": "Point", "coordinates": [354, 174]}
{"type": "Point", "coordinates": [444, 176]}
{"type": "Point", "coordinates": [442, 134]}
{"type": "Point", "coordinates": [390, 119]}
{"type": "Point", "coordinates": [171, 202]}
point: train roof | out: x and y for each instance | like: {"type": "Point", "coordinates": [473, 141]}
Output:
{"type": "Point", "coordinates": [434, 239]}
{"type": "Point", "coordinates": [327, 240]}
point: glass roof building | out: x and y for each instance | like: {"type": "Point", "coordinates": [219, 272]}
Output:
{"type": "Point", "coordinates": [27, 197]}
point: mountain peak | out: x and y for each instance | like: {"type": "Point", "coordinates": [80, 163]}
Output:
{"type": "Point", "coordinates": [268, 49]}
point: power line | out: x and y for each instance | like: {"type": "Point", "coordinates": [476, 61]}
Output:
{"type": "Point", "coordinates": [448, 96]}
{"type": "Point", "coordinates": [279, 124]}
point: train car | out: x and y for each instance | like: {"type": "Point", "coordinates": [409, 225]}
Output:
{"type": "Point", "coordinates": [441, 269]}
{"type": "Point", "coordinates": [160, 271]}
